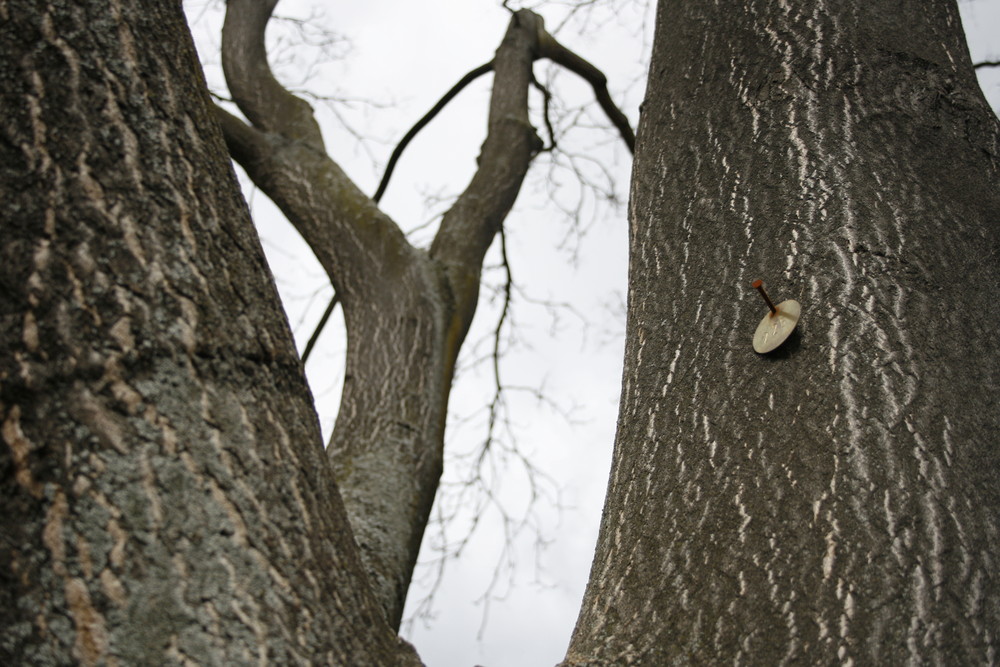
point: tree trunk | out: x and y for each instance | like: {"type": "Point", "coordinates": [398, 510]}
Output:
{"type": "Point", "coordinates": [165, 495]}
{"type": "Point", "coordinates": [835, 501]}
{"type": "Point", "coordinates": [407, 310]}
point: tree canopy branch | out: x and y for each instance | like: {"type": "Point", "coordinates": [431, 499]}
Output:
{"type": "Point", "coordinates": [246, 144]}
{"type": "Point", "coordinates": [480, 226]}
{"type": "Point", "coordinates": [355, 242]}
{"type": "Point", "coordinates": [264, 101]}
{"type": "Point", "coordinates": [384, 183]}
{"type": "Point", "coordinates": [559, 54]}
{"type": "Point", "coordinates": [319, 327]}
{"type": "Point", "coordinates": [427, 118]}
{"type": "Point", "coordinates": [282, 152]}
{"type": "Point", "coordinates": [469, 226]}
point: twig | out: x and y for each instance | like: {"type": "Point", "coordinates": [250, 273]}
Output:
{"type": "Point", "coordinates": [546, 99]}
{"type": "Point", "coordinates": [428, 117]}
{"type": "Point", "coordinates": [497, 401]}
{"type": "Point", "coordinates": [559, 54]}
{"type": "Point", "coordinates": [319, 328]}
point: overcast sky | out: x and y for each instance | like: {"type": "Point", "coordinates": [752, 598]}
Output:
{"type": "Point", "coordinates": [392, 60]}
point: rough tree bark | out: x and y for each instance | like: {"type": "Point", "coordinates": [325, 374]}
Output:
{"type": "Point", "coordinates": [407, 310]}
{"type": "Point", "coordinates": [164, 494]}
{"type": "Point", "coordinates": [837, 501]}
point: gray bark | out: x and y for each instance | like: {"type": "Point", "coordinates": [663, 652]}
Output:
{"type": "Point", "coordinates": [407, 310]}
{"type": "Point", "coordinates": [164, 494]}
{"type": "Point", "coordinates": [836, 501]}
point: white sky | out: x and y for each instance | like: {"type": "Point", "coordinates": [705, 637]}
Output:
{"type": "Point", "coordinates": [403, 56]}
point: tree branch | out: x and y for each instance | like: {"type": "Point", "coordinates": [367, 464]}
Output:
{"type": "Point", "coordinates": [246, 144]}
{"type": "Point", "coordinates": [469, 226]}
{"type": "Point", "coordinates": [495, 404]}
{"type": "Point", "coordinates": [559, 54]}
{"type": "Point", "coordinates": [427, 118]}
{"type": "Point", "coordinates": [987, 63]}
{"type": "Point", "coordinates": [546, 115]}
{"type": "Point", "coordinates": [359, 247]}
{"type": "Point", "coordinates": [319, 328]}
{"type": "Point", "coordinates": [393, 159]}
{"type": "Point", "coordinates": [260, 97]}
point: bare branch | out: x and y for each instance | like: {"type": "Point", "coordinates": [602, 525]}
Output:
{"type": "Point", "coordinates": [396, 153]}
{"type": "Point", "coordinates": [283, 154]}
{"type": "Point", "coordinates": [260, 97]}
{"type": "Point", "coordinates": [557, 53]}
{"type": "Point", "coordinates": [546, 115]}
{"type": "Point", "coordinates": [246, 144]}
{"type": "Point", "coordinates": [427, 118]}
{"type": "Point", "coordinates": [468, 228]}
{"type": "Point", "coordinates": [319, 327]}
{"type": "Point", "coordinates": [987, 63]}
{"type": "Point", "coordinates": [497, 337]}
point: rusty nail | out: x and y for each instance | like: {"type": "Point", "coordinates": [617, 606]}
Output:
{"type": "Point", "coordinates": [759, 286]}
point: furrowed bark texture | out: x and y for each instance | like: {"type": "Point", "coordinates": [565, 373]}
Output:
{"type": "Point", "coordinates": [836, 501]}
{"type": "Point", "coordinates": [164, 495]}
{"type": "Point", "coordinates": [407, 310]}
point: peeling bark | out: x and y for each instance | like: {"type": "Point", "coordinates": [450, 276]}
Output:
{"type": "Point", "coordinates": [164, 494]}
{"type": "Point", "coordinates": [835, 502]}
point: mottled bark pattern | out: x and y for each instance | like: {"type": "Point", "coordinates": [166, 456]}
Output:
{"type": "Point", "coordinates": [837, 501]}
{"type": "Point", "coordinates": [164, 495]}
